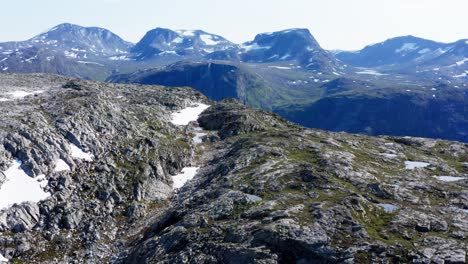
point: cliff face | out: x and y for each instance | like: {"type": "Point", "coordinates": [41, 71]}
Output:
{"type": "Point", "coordinates": [266, 190]}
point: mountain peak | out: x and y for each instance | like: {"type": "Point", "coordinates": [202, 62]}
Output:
{"type": "Point", "coordinates": [182, 42]}
{"type": "Point", "coordinates": [296, 44]}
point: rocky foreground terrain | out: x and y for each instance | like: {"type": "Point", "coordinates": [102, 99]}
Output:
{"type": "Point", "coordinates": [266, 191]}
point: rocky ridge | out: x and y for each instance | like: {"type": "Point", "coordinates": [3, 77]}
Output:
{"type": "Point", "coordinates": [267, 191]}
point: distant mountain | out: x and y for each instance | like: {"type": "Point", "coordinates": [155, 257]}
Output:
{"type": "Point", "coordinates": [65, 49]}
{"type": "Point", "coordinates": [397, 50]}
{"type": "Point", "coordinates": [413, 56]}
{"type": "Point", "coordinates": [162, 42]}
{"type": "Point", "coordinates": [287, 72]}
{"type": "Point", "coordinates": [292, 44]}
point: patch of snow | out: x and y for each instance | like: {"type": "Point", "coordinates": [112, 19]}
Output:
{"type": "Point", "coordinates": [123, 58]}
{"type": "Point", "coordinates": [371, 72]}
{"type": "Point", "coordinates": [186, 115]}
{"type": "Point", "coordinates": [186, 175]}
{"type": "Point", "coordinates": [410, 165]}
{"type": "Point", "coordinates": [19, 187]}
{"type": "Point", "coordinates": [70, 54]}
{"type": "Point", "coordinates": [460, 63]}
{"type": "Point", "coordinates": [280, 67]}
{"type": "Point", "coordinates": [21, 94]}
{"type": "Point", "coordinates": [90, 62]}
{"type": "Point", "coordinates": [389, 208]}
{"type": "Point", "coordinates": [461, 75]}
{"type": "Point", "coordinates": [168, 52]}
{"type": "Point", "coordinates": [253, 198]}
{"type": "Point", "coordinates": [197, 139]}
{"type": "Point", "coordinates": [436, 69]}
{"type": "Point", "coordinates": [407, 47]}
{"type": "Point", "coordinates": [76, 152]}
{"type": "Point", "coordinates": [424, 51]}
{"type": "Point", "coordinates": [61, 165]}
{"type": "Point", "coordinates": [208, 39]}
{"type": "Point", "coordinates": [3, 259]}
{"type": "Point", "coordinates": [254, 46]}
{"type": "Point", "coordinates": [449, 178]}
{"type": "Point", "coordinates": [186, 33]}
{"type": "Point", "coordinates": [178, 40]}
{"type": "Point", "coordinates": [4, 99]}
{"type": "Point", "coordinates": [4, 69]}
{"type": "Point", "coordinates": [78, 50]}
{"type": "Point", "coordinates": [4, 59]}
{"type": "Point", "coordinates": [389, 155]}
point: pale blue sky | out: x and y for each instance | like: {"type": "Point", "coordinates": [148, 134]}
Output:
{"type": "Point", "coordinates": [336, 24]}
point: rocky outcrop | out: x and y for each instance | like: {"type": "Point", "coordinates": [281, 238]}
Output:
{"type": "Point", "coordinates": [272, 192]}
{"type": "Point", "coordinates": [266, 191]}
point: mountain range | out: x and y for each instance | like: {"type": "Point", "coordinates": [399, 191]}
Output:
{"type": "Point", "coordinates": [403, 86]}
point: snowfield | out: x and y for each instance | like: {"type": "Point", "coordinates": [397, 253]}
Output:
{"type": "Point", "coordinates": [19, 187]}
{"type": "Point", "coordinates": [186, 115]}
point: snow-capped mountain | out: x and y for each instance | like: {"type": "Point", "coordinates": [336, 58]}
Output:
{"type": "Point", "coordinates": [73, 41]}
{"type": "Point", "coordinates": [413, 56]}
{"type": "Point", "coordinates": [288, 45]}
{"type": "Point", "coordinates": [397, 50]}
{"type": "Point", "coordinates": [161, 42]}
{"type": "Point", "coordinates": [65, 49]}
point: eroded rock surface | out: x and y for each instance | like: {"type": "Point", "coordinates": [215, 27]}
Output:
{"type": "Point", "coordinates": [267, 191]}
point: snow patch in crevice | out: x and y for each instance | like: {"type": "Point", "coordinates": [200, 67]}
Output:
{"type": "Point", "coordinates": [187, 115]}
{"type": "Point", "coordinates": [19, 187]}
{"type": "Point", "coordinates": [22, 94]}
{"type": "Point", "coordinates": [389, 208]}
{"type": "Point", "coordinates": [411, 165]}
{"type": "Point", "coordinates": [389, 155]}
{"type": "Point", "coordinates": [197, 138]}
{"type": "Point", "coordinates": [182, 178]}
{"type": "Point", "coordinates": [61, 165]}
{"type": "Point", "coordinates": [253, 198]}
{"type": "Point", "coordinates": [76, 152]}
{"type": "Point", "coordinates": [407, 47]}
{"type": "Point", "coordinates": [449, 178]}
{"type": "Point", "coordinates": [3, 259]}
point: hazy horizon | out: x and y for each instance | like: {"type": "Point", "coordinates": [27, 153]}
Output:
{"type": "Point", "coordinates": [336, 24]}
